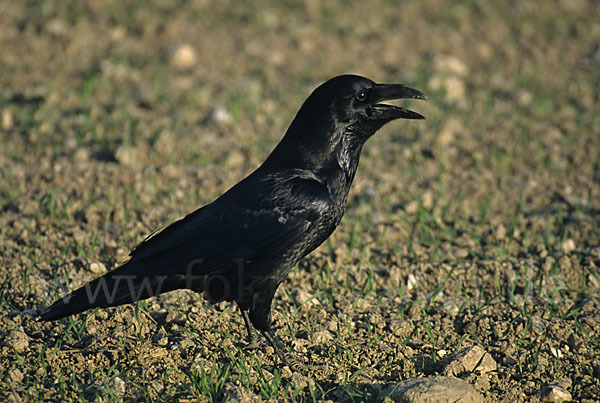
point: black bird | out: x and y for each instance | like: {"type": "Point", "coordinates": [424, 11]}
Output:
{"type": "Point", "coordinates": [241, 246]}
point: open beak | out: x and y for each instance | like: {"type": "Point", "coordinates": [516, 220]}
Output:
{"type": "Point", "coordinates": [386, 92]}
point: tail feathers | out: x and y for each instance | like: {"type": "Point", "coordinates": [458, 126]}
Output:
{"type": "Point", "coordinates": [117, 287]}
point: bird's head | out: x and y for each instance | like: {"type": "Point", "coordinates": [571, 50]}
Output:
{"type": "Point", "coordinates": [345, 110]}
{"type": "Point", "coordinates": [357, 103]}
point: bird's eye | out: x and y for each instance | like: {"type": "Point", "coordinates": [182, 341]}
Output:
{"type": "Point", "coordinates": [361, 95]}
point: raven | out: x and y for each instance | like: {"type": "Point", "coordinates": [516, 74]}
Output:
{"type": "Point", "coordinates": [242, 246]}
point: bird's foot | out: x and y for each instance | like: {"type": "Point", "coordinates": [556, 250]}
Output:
{"type": "Point", "coordinates": [254, 343]}
{"type": "Point", "coordinates": [287, 357]}
{"type": "Point", "coordinates": [298, 366]}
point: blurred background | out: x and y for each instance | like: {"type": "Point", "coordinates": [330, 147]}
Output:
{"type": "Point", "coordinates": [117, 117]}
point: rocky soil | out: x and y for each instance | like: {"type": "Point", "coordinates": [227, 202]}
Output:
{"type": "Point", "coordinates": [466, 267]}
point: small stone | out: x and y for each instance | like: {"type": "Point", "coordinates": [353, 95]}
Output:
{"type": "Point", "coordinates": [165, 143]}
{"type": "Point", "coordinates": [57, 27]}
{"type": "Point", "coordinates": [564, 263]}
{"type": "Point", "coordinates": [450, 307]}
{"type": "Point", "coordinates": [555, 393]}
{"type": "Point", "coordinates": [221, 115]}
{"type": "Point", "coordinates": [556, 352]}
{"type": "Point", "coordinates": [427, 200]}
{"type": "Point", "coordinates": [524, 97]}
{"type": "Point", "coordinates": [133, 157]}
{"type": "Point", "coordinates": [575, 342]}
{"type": "Point", "coordinates": [320, 337]}
{"type": "Point", "coordinates": [7, 119]}
{"type": "Point", "coordinates": [15, 375]}
{"type": "Point", "coordinates": [412, 207]}
{"type": "Point", "coordinates": [461, 253]}
{"type": "Point", "coordinates": [500, 232]}
{"type": "Point", "coordinates": [118, 385]}
{"type": "Point", "coordinates": [594, 281]}
{"type": "Point", "coordinates": [98, 268]}
{"type": "Point", "coordinates": [18, 340]}
{"type": "Point", "coordinates": [187, 343]}
{"type": "Point", "coordinates": [184, 57]}
{"type": "Point", "coordinates": [548, 264]}
{"type": "Point", "coordinates": [161, 339]}
{"type": "Point", "coordinates": [238, 394]}
{"type": "Point", "coordinates": [175, 317]}
{"type": "Point", "coordinates": [568, 245]}
{"type": "Point", "coordinates": [401, 328]}
{"type": "Point", "coordinates": [469, 359]}
{"type": "Point", "coordinates": [411, 283]}
{"type": "Point", "coordinates": [82, 155]}
{"type": "Point", "coordinates": [509, 361]}
{"type": "Point", "coordinates": [126, 156]}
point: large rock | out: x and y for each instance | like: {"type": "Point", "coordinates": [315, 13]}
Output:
{"type": "Point", "coordinates": [432, 389]}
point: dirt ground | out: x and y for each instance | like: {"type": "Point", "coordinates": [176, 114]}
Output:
{"type": "Point", "coordinates": [478, 227]}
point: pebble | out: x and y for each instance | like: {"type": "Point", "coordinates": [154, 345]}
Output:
{"type": "Point", "coordinates": [555, 393]}
{"type": "Point", "coordinates": [412, 207]}
{"type": "Point", "coordinates": [427, 199]}
{"type": "Point", "coordinates": [469, 359]}
{"type": "Point", "coordinates": [568, 245]}
{"type": "Point", "coordinates": [305, 299]}
{"type": "Point", "coordinates": [118, 385]}
{"type": "Point", "coordinates": [556, 352]}
{"type": "Point", "coordinates": [401, 328]}
{"type": "Point", "coordinates": [15, 375]}
{"type": "Point", "coordinates": [184, 57]}
{"type": "Point", "coordinates": [133, 157]}
{"type": "Point", "coordinates": [461, 253]}
{"type": "Point", "coordinates": [411, 282]}
{"type": "Point", "coordinates": [82, 155]}
{"type": "Point", "coordinates": [98, 268]}
{"type": "Point", "coordinates": [18, 340]}
{"type": "Point", "coordinates": [548, 263]}
{"type": "Point", "coordinates": [500, 232]}
{"type": "Point", "coordinates": [221, 115]}
{"type": "Point", "coordinates": [161, 339]}
{"type": "Point", "coordinates": [564, 263]}
{"type": "Point", "coordinates": [8, 121]}
{"type": "Point", "coordinates": [175, 317]}
{"type": "Point", "coordinates": [450, 307]}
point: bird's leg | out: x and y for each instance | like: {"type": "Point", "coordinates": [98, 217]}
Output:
{"type": "Point", "coordinates": [254, 343]}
